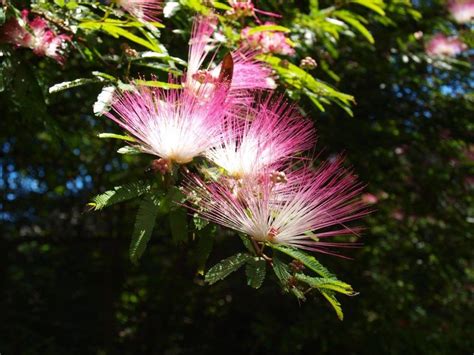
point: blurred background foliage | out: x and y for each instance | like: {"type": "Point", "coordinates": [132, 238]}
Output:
{"type": "Point", "coordinates": [66, 284]}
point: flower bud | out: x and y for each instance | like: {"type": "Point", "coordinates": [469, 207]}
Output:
{"type": "Point", "coordinates": [308, 63]}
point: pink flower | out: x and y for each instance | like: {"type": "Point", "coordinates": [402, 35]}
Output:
{"type": "Point", "coordinates": [441, 45]}
{"type": "Point", "coordinates": [171, 124]}
{"type": "Point", "coordinates": [267, 41]}
{"type": "Point", "coordinates": [245, 8]}
{"type": "Point", "coordinates": [369, 199]}
{"type": "Point", "coordinates": [15, 32]}
{"type": "Point", "coordinates": [241, 8]}
{"type": "Point", "coordinates": [242, 70]}
{"type": "Point", "coordinates": [145, 10]}
{"type": "Point", "coordinates": [268, 133]}
{"type": "Point", "coordinates": [302, 212]}
{"type": "Point", "coordinates": [461, 10]}
{"type": "Point", "coordinates": [46, 42]}
{"type": "Point", "coordinates": [36, 35]}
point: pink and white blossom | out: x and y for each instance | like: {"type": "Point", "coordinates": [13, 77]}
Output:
{"type": "Point", "coordinates": [246, 8]}
{"type": "Point", "coordinates": [15, 31]}
{"type": "Point", "coordinates": [303, 212]}
{"type": "Point", "coordinates": [145, 10]}
{"type": "Point", "coordinates": [36, 35]}
{"type": "Point", "coordinates": [171, 124]}
{"type": "Point", "coordinates": [441, 45]}
{"type": "Point", "coordinates": [267, 41]}
{"type": "Point", "coordinates": [245, 72]}
{"type": "Point", "coordinates": [268, 133]}
{"type": "Point", "coordinates": [462, 10]}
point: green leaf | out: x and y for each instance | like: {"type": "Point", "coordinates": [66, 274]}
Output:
{"type": "Point", "coordinates": [304, 82]}
{"type": "Point", "coordinates": [144, 223]}
{"type": "Point", "coordinates": [134, 38]}
{"type": "Point", "coordinates": [225, 267]}
{"type": "Point", "coordinates": [334, 303]}
{"type": "Point", "coordinates": [162, 56]}
{"type": "Point", "coordinates": [298, 293]}
{"type": "Point", "coordinates": [71, 5]}
{"type": "Point", "coordinates": [120, 194]}
{"type": "Point", "coordinates": [173, 200]}
{"type": "Point", "coordinates": [158, 84]}
{"type": "Point", "coordinates": [348, 17]}
{"type": "Point", "coordinates": [247, 243]}
{"type": "Point", "coordinates": [268, 28]}
{"type": "Point", "coordinates": [376, 6]}
{"type": "Point", "coordinates": [116, 29]}
{"type": "Point", "coordinates": [221, 6]}
{"type": "Point", "coordinates": [282, 272]}
{"type": "Point", "coordinates": [326, 284]}
{"type": "Point", "coordinates": [178, 220]}
{"type": "Point", "coordinates": [255, 270]}
{"type": "Point", "coordinates": [116, 136]}
{"type": "Point", "coordinates": [105, 76]}
{"type": "Point", "coordinates": [196, 5]}
{"type": "Point", "coordinates": [307, 260]}
{"type": "Point", "coordinates": [72, 84]}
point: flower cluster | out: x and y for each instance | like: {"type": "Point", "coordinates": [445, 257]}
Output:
{"type": "Point", "coordinates": [441, 45]}
{"type": "Point", "coordinates": [224, 113]}
{"type": "Point", "coordinates": [246, 8]}
{"type": "Point", "coordinates": [267, 41]}
{"type": "Point", "coordinates": [247, 74]}
{"type": "Point", "coordinates": [179, 125]}
{"type": "Point", "coordinates": [172, 124]}
{"type": "Point", "coordinates": [267, 134]}
{"type": "Point", "coordinates": [301, 208]}
{"type": "Point", "coordinates": [145, 10]}
{"type": "Point", "coordinates": [36, 35]}
{"type": "Point", "coordinates": [462, 10]}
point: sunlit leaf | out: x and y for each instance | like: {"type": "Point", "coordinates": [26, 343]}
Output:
{"type": "Point", "coordinates": [158, 84]}
{"type": "Point", "coordinates": [225, 267]}
{"type": "Point", "coordinates": [307, 260]}
{"type": "Point", "coordinates": [71, 84]}
{"type": "Point", "coordinates": [329, 295]}
{"type": "Point", "coordinates": [326, 284]}
{"type": "Point", "coordinates": [263, 28]}
{"type": "Point", "coordinates": [116, 136]}
{"type": "Point", "coordinates": [119, 194]}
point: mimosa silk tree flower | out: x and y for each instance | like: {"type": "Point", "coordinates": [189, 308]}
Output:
{"type": "Point", "coordinates": [36, 35]}
{"type": "Point", "coordinates": [268, 133]}
{"type": "Point", "coordinates": [145, 10]}
{"type": "Point", "coordinates": [441, 45]}
{"type": "Point", "coordinates": [462, 10]}
{"type": "Point", "coordinates": [246, 8]}
{"type": "Point", "coordinates": [304, 210]}
{"type": "Point", "coordinates": [267, 41]}
{"type": "Point", "coordinates": [241, 68]}
{"type": "Point", "coordinates": [171, 124]}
